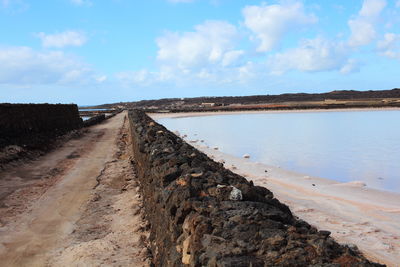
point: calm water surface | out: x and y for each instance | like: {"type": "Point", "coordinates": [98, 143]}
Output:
{"type": "Point", "coordinates": [85, 118]}
{"type": "Point", "coordinates": [342, 146]}
{"type": "Point", "coordinates": [92, 109]}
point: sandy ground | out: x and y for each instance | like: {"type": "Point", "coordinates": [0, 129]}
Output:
{"type": "Point", "coordinates": [355, 214]}
{"type": "Point", "coordinates": [76, 206]}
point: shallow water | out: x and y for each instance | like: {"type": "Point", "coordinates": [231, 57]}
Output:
{"type": "Point", "coordinates": [93, 109]}
{"type": "Point", "coordinates": [85, 118]}
{"type": "Point", "coordinates": [343, 146]}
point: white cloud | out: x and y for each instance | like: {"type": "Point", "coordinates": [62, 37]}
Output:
{"type": "Point", "coordinates": [81, 2]}
{"type": "Point", "coordinates": [14, 6]}
{"type": "Point", "coordinates": [25, 66]}
{"type": "Point", "coordinates": [363, 32]}
{"type": "Point", "coordinates": [270, 23]}
{"type": "Point", "coordinates": [351, 66]}
{"type": "Point", "coordinates": [141, 77]}
{"type": "Point", "coordinates": [372, 8]}
{"type": "Point", "coordinates": [212, 43]}
{"type": "Point", "coordinates": [312, 56]}
{"type": "Point", "coordinates": [363, 26]}
{"type": "Point", "coordinates": [5, 3]}
{"type": "Point", "coordinates": [206, 77]}
{"type": "Point", "coordinates": [390, 46]}
{"type": "Point", "coordinates": [231, 57]}
{"type": "Point", "coordinates": [207, 55]}
{"type": "Point", "coordinates": [63, 39]}
{"type": "Point", "coordinates": [100, 78]}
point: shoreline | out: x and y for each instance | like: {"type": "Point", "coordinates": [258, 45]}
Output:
{"type": "Point", "coordinates": [217, 113]}
{"type": "Point", "coordinates": [352, 212]}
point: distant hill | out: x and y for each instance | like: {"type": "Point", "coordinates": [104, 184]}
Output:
{"type": "Point", "coordinates": [173, 103]}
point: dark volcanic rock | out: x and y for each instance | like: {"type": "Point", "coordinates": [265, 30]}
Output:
{"type": "Point", "coordinates": [199, 218]}
{"type": "Point", "coordinates": [94, 120]}
{"type": "Point", "coordinates": [33, 125]}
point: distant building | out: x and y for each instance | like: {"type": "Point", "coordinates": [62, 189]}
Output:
{"type": "Point", "coordinates": [330, 101]}
{"type": "Point", "coordinates": [390, 100]}
{"type": "Point", "coordinates": [208, 104]}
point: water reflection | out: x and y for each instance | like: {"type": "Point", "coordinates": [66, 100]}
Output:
{"type": "Point", "coordinates": [343, 146]}
{"type": "Point", "coordinates": [85, 118]}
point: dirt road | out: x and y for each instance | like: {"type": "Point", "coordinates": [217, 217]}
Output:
{"type": "Point", "coordinates": [76, 206]}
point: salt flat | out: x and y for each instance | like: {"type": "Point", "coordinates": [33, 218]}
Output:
{"type": "Point", "coordinates": [354, 214]}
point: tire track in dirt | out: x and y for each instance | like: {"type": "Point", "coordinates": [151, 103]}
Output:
{"type": "Point", "coordinates": [112, 230]}
{"type": "Point", "coordinates": [64, 217]}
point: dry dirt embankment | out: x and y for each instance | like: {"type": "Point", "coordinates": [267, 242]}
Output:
{"type": "Point", "coordinates": [76, 206]}
{"type": "Point", "coordinates": [202, 214]}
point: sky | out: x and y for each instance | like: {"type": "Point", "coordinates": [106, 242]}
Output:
{"type": "Point", "coordinates": [92, 52]}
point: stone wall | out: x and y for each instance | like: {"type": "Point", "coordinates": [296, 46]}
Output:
{"type": "Point", "coordinates": [94, 120]}
{"type": "Point", "coordinates": [33, 125]}
{"type": "Point", "coordinates": [202, 214]}
{"type": "Point", "coordinates": [100, 118]}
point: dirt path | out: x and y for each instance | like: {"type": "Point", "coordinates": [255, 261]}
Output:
{"type": "Point", "coordinates": [84, 208]}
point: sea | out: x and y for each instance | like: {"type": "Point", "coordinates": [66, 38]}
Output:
{"type": "Point", "coordinates": [343, 146]}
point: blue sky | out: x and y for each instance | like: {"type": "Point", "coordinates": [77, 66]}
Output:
{"type": "Point", "coordinates": [93, 52]}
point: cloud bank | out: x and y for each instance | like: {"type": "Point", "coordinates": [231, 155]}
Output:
{"type": "Point", "coordinates": [26, 66]}
{"type": "Point", "coordinates": [314, 55]}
